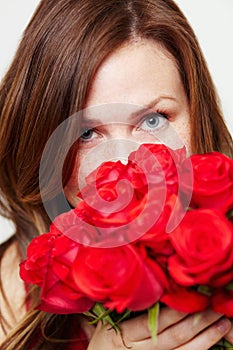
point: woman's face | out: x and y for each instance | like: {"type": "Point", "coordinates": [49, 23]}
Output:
{"type": "Point", "coordinates": [139, 98]}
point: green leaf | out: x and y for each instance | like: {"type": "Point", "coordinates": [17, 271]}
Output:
{"type": "Point", "coordinates": [153, 314]}
{"type": "Point", "coordinates": [230, 214]}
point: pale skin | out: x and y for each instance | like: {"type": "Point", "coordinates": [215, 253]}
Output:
{"type": "Point", "coordinates": [140, 74]}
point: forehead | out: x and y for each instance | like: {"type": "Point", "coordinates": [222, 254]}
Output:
{"type": "Point", "coordinates": [136, 73]}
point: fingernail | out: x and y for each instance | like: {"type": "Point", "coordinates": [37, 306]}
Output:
{"type": "Point", "coordinates": [223, 325]}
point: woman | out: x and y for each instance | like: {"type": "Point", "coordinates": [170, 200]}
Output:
{"type": "Point", "coordinates": [75, 55]}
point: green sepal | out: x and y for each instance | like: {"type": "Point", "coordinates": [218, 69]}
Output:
{"type": "Point", "coordinates": [125, 315]}
{"type": "Point", "coordinates": [100, 313]}
{"type": "Point", "coordinates": [229, 286]}
{"type": "Point", "coordinates": [206, 290]}
{"type": "Point", "coordinates": [104, 315]}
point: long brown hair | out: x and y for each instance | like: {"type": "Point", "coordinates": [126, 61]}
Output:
{"type": "Point", "coordinates": [48, 81]}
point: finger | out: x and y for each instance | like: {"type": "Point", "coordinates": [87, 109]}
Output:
{"type": "Point", "coordinates": [146, 344]}
{"type": "Point", "coordinates": [183, 331]}
{"type": "Point", "coordinates": [209, 337]}
{"type": "Point", "coordinates": [137, 328]}
{"type": "Point", "coordinates": [229, 335]}
{"type": "Point", "coordinates": [106, 338]}
{"type": "Point", "coordinates": [168, 317]}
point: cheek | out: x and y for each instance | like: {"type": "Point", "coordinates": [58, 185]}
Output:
{"type": "Point", "coordinates": [182, 127]}
{"type": "Point", "coordinates": [185, 134]}
{"type": "Point", "coordinates": [76, 182]}
{"type": "Point", "coordinates": [88, 160]}
{"type": "Point", "coordinates": [85, 163]}
{"type": "Point", "coordinates": [71, 189]}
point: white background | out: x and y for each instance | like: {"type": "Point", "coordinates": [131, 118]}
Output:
{"type": "Point", "coordinates": [212, 21]}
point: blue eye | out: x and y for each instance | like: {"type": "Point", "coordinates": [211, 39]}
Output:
{"type": "Point", "coordinates": [87, 134]}
{"type": "Point", "coordinates": [153, 121]}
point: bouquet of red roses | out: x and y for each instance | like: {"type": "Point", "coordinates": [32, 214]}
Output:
{"type": "Point", "coordinates": [158, 229]}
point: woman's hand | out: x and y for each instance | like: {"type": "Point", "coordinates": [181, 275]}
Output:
{"type": "Point", "coordinates": [175, 331]}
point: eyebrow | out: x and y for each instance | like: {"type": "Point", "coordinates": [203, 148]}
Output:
{"type": "Point", "coordinates": [95, 121]}
{"type": "Point", "coordinates": [153, 103]}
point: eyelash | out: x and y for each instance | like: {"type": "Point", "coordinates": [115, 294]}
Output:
{"type": "Point", "coordinates": [162, 113]}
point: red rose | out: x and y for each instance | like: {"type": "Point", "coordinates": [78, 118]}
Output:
{"type": "Point", "coordinates": [34, 268]}
{"type": "Point", "coordinates": [110, 173]}
{"type": "Point", "coordinates": [222, 302]}
{"type": "Point", "coordinates": [48, 263]}
{"type": "Point", "coordinates": [115, 198]}
{"type": "Point", "coordinates": [160, 164]}
{"type": "Point", "coordinates": [185, 299]}
{"type": "Point", "coordinates": [119, 195]}
{"type": "Point", "coordinates": [60, 293]}
{"type": "Point", "coordinates": [203, 249]}
{"type": "Point", "coordinates": [120, 278]}
{"type": "Point", "coordinates": [115, 201]}
{"type": "Point", "coordinates": [213, 181]}
{"type": "Point", "coordinates": [140, 217]}
{"type": "Point", "coordinates": [59, 298]}
{"type": "Point", "coordinates": [115, 213]}
{"type": "Point", "coordinates": [72, 226]}
{"type": "Point", "coordinates": [154, 222]}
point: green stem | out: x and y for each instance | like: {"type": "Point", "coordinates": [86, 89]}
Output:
{"type": "Point", "coordinates": [153, 314]}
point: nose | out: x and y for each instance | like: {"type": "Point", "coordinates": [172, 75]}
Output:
{"type": "Point", "coordinates": [117, 145]}
{"type": "Point", "coordinates": [119, 148]}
